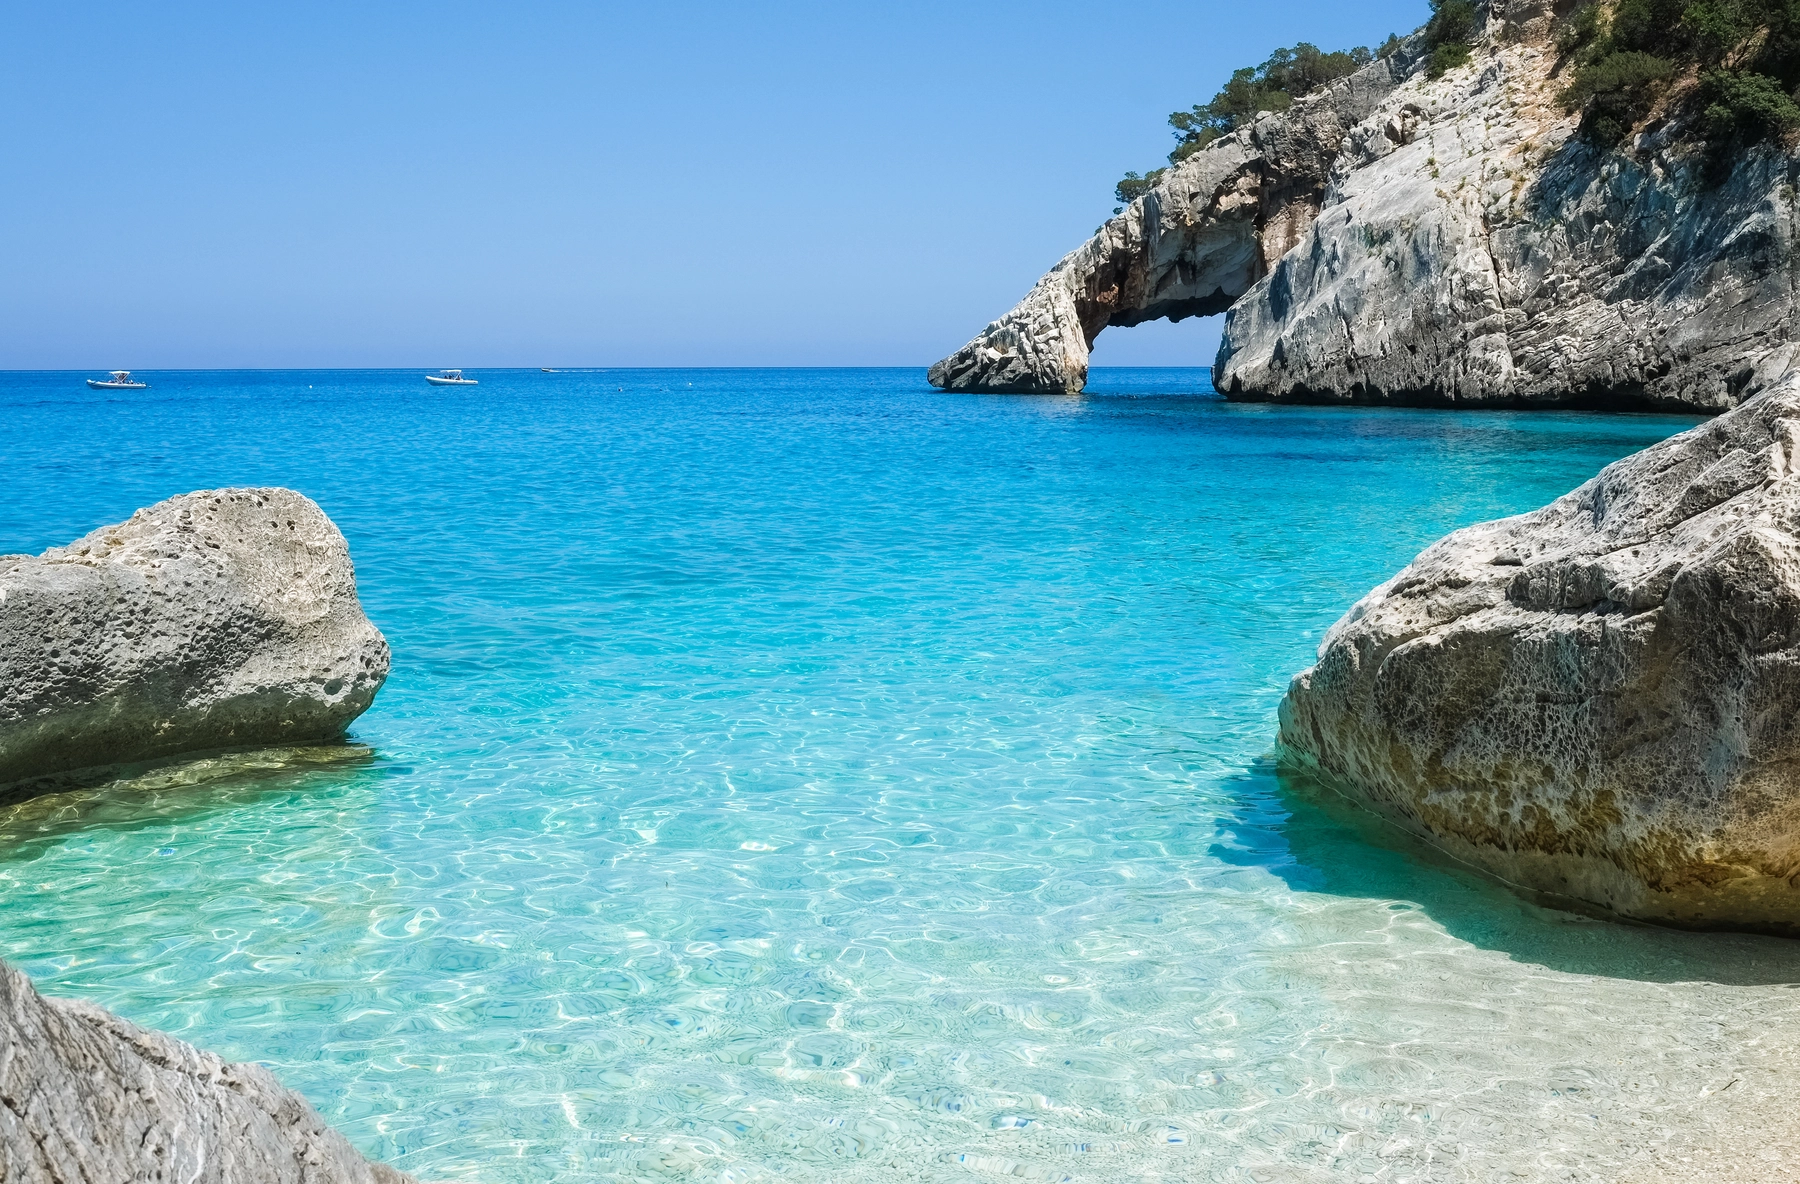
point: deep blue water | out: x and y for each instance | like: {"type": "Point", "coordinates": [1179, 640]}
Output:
{"type": "Point", "coordinates": [807, 775]}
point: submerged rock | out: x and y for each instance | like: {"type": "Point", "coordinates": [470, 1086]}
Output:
{"type": "Point", "coordinates": [1599, 699]}
{"type": "Point", "coordinates": [90, 1097]}
{"type": "Point", "coordinates": [1451, 241]}
{"type": "Point", "coordinates": [220, 619]}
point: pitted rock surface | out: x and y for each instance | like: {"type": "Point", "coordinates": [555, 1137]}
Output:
{"type": "Point", "coordinates": [1398, 239]}
{"type": "Point", "coordinates": [1599, 699]}
{"type": "Point", "coordinates": [225, 618]}
{"type": "Point", "coordinates": [88, 1098]}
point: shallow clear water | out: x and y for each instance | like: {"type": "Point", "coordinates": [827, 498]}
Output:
{"type": "Point", "coordinates": [807, 775]}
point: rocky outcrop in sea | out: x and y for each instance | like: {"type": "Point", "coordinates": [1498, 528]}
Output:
{"type": "Point", "coordinates": [1399, 239]}
{"type": "Point", "coordinates": [1599, 699]}
{"type": "Point", "coordinates": [1192, 246]}
{"type": "Point", "coordinates": [88, 1097]}
{"type": "Point", "coordinates": [220, 619]}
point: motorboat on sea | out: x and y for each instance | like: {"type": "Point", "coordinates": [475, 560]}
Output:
{"type": "Point", "coordinates": [546, 370]}
{"type": "Point", "coordinates": [450, 378]}
{"type": "Point", "coordinates": [121, 380]}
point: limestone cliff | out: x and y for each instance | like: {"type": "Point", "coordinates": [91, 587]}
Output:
{"type": "Point", "coordinates": [1447, 241]}
{"type": "Point", "coordinates": [1192, 246]}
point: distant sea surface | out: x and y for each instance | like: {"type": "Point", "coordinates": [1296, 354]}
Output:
{"type": "Point", "coordinates": [809, 776]}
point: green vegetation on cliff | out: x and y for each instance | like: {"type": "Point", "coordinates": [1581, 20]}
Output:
{"type": "Point", "coordinates": [1291, 74]}
{"type": "Point", "coordinates": [1730, 67]}
{"type": "Point", "coordinates": [1288, 74]}
{"type": "Point", "coordinates": [1448, 33]}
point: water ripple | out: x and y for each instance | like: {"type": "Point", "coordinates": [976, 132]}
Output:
{"type": "Point", "coordinates": [807, 776]}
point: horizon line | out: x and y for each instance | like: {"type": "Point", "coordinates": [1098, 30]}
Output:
{"type": "Point", "coordinates": [527, 369]}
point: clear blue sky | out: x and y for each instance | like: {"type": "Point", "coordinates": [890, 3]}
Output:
{"type": "Point", "coordinates": [583, 184]}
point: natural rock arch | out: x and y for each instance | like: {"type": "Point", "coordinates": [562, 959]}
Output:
{"type": "Point", "coordinates": [1451, 242]}
{"type": "Point", "coordinates": [1192, 246]}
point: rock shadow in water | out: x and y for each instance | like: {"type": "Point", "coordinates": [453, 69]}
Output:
{"type": "Point", "coordinates": [177, 790]}
{"type": "Point", "coordinates": [1336, 846]}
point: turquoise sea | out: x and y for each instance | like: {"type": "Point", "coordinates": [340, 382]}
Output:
{"type": "Point", "coordinates": [807, 775]}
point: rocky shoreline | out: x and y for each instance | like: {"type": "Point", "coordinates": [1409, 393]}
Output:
{"type": "Point", "coordinates": [1597, 701]}
{"type": "Point", "coordinates": [222, 619]}
{"type": "Point", "coordinates": [1594, 700]}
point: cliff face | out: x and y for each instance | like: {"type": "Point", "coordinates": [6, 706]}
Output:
{"type": "Point", "coordinates": [1462, 247]}
{"type": "Point", "coordinates": [1190, 247]}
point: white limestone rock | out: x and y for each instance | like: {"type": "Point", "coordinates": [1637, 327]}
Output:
{"type": "Point", "coordinates": [1599, 699]}
{"type": "Point", "coordinates": [1472, 250]}
{"type": "Point", "coordinates": [1453, 242]}
{"type": "Point", "coordinates": [220, 619]}
{"type": "Point", "coordinates": [1189, 247]}
{"type": "Point", "coordinates": [88, 1098]}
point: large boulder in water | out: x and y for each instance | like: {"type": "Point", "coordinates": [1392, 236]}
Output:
{"type": "Point", "coordinates": [90, 1097]}
{"type": "Point", "coordinates": [1599, 699]}
{"type": "Point", "coordinates": [220, 619]}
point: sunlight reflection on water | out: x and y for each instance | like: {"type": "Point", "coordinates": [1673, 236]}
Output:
{"type": "Point", "coordinates": [808, 776]}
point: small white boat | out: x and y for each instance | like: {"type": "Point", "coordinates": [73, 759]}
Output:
{"type": "Point", "coordinates": [450, 378]}
{"type": "Point", "coordinates": [121, 380]}
{"type": "Point", "coordinates": [547, 370]}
